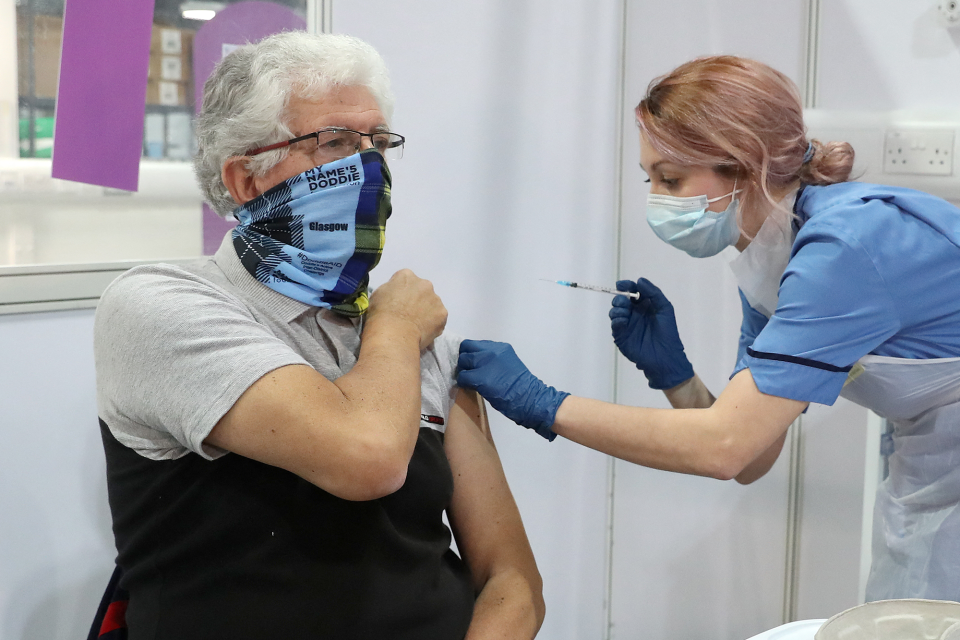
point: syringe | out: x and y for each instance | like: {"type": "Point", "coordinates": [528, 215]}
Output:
{"type": "Point", "coordinates": [593, 287]}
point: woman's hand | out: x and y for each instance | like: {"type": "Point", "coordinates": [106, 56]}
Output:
{"type": "Point", "coordinates": [645, 331]}
{"type": "Point", "coordinates": [494, 370]}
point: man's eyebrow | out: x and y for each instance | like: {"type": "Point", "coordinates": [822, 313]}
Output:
{"type": "Point", "coordinates": [381, 127]}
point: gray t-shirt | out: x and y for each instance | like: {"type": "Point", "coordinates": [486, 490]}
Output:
{"type": "Point", "coordinates": [176, 346]}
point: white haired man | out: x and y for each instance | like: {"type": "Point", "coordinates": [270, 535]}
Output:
{"type": "Point", "coordinates": [280, 447]}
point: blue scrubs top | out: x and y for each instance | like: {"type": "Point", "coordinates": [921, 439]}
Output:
{"type": "Point", "coordinates": [873, 270]}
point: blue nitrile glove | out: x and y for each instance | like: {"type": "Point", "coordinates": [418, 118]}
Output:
{"type": "Point", "coordinates": [494, 370]}
{"type": "Point", "coordinates": [645, 331]}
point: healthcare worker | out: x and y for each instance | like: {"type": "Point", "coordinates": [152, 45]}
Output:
{"type": "Point", "coordinates": [847, 289]}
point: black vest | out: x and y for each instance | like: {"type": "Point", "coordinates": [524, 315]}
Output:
{"type": "Point", "coordinates": [234, 549]}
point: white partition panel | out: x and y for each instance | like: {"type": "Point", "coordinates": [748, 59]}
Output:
{"type": "Point", "coordinates": [508, 176]}
{"type": "Point", "coordinates": [56, 547]}
{"type": "Point", "coordinates": [694, 557]}
{"type": "Point", "coordinates": [834, 450]}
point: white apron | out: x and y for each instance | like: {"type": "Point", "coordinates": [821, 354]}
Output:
{"type": "Point", "coordinates": [916, 520]}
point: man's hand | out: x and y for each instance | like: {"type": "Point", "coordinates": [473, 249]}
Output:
{"type": "Point", "coordinates": [407, 297]}
{"type": "Point", "coordinates": [353, 436]}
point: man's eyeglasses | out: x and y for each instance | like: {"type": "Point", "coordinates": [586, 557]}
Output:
{"type": "Point", "coordinates": [334, 143]}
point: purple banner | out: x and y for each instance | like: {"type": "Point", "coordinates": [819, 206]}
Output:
{"type": "Point", "coordinates": [102, 96]}
{"type": "Point", "coordinates": [236, 25]}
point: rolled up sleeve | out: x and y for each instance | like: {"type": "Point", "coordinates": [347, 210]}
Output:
{"type": "Point", "coordinates": [834, 308]}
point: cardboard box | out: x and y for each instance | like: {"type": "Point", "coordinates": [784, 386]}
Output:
{"type": "Point", "coordinates": [171, 60]}
{"type": "Point", "coordinates": [47, 40]}
{"type": "Point", "coordinates": [167, 93]}
{"type": "Point", "coordinates": [171, 53]}
{"type": "Point", "coordinates": [175, 68]}
{"type": "Point", "coordinates": [170, 41]}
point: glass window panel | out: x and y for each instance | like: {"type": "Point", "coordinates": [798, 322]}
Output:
{"type": "Point", "coordinates": [43, 220]}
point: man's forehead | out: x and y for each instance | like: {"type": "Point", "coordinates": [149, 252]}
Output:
{"type": "Point", "coordinates": [349, 107]}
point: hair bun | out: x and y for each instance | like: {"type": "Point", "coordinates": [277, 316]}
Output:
{"type": "Point", "coordinates": [832, 162]}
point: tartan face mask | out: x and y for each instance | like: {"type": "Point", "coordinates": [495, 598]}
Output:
{"type": "Point", "coordinates": [316, 236]}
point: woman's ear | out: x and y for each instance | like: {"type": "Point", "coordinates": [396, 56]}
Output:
{"type": "Point", "coordinates": [238, 180]}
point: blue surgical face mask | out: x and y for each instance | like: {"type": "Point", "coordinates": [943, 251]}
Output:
{"type": "Point", "coordinates": [686, 223]}
{"type": "Point", "coordinates": [316, 236]}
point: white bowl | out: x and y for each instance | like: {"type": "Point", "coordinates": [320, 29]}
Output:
{"type": "Point", "coordinates": [907, 619]}
{"type": "Point", "coordinates": [800, 630]}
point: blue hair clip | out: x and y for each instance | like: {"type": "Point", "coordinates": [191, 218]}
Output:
{"type": "Point", "coordinates": [808, 156]}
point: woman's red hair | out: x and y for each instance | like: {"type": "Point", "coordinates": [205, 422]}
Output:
{"type": "Point", "coordinates": [741, 118]}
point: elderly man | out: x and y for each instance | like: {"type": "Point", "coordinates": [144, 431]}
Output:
{"type": "Point", "coordinates": [280, 447]}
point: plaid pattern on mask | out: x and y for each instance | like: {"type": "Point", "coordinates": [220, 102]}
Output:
{"type": "Point", "coordinates": [284, 239]}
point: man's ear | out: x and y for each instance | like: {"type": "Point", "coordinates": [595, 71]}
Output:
{"type": "Point", "coordinates": [238, 180]}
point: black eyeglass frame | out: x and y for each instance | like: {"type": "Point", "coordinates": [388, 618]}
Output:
{"type": "Point", "coordinates": [316, 136]}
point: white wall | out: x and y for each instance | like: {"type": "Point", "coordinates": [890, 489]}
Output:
{"type": "Point", "coordinates": [877, 55]}
{"type": "Point", "coordinates": [56, 546]}
{"type": "Point", "coordinates": [834, 448]}
{"type": "Point", "coordinates": [508, 177]}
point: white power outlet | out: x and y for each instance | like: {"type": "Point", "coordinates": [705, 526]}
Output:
{"type": "Point", "coordinates": [919, 151]}
{"type": "Point", "coordinates": [868, 132]}
{"type": "Point", "coordinates": [949, 12]}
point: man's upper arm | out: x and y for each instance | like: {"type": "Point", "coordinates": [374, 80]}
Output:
{"type": "Point", "coordinates": [173, 354]}
{"type": "Point", "coordinates": [483, 513]}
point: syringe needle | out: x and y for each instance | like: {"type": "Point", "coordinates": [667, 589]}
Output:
{"type": "Point", "coordinates": [593, 287]}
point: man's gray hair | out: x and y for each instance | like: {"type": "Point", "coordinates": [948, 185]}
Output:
{"type": "Point", "coordinates": [246, 97]}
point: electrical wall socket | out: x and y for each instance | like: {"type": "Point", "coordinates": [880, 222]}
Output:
{"type": "Point", "coordinates": [949, 12]}
{"type": "Point", "coordinates": [918, 151]}
{"type": "Point", "coordinates": [868, 132]}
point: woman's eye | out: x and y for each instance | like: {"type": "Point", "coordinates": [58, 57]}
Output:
{"type": "Point", "coordinates": [647, 180]}
{"type": "Point", "coordinates": [670, 182]}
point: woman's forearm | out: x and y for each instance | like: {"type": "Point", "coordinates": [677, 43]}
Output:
{"type": "Point", "coordinates": [692, 394]}
{"type": "Point", "coordinates": [681, 440]}
{"type": "Point", "coordinates": [719, 442]}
